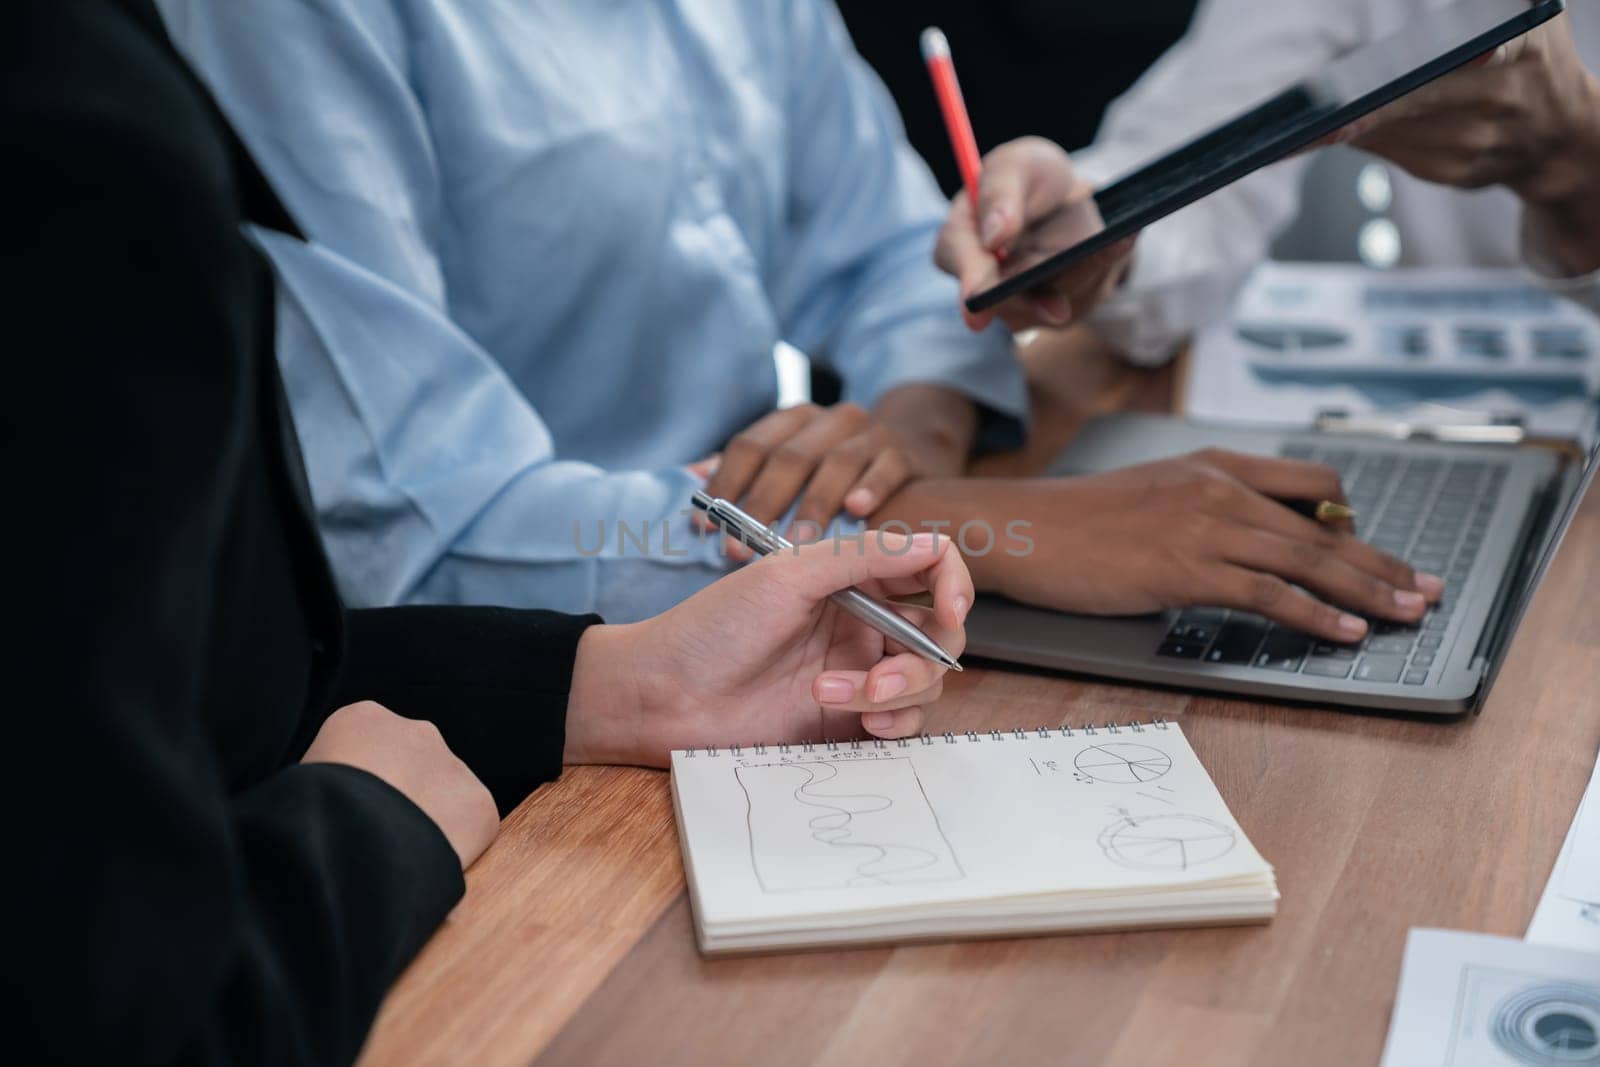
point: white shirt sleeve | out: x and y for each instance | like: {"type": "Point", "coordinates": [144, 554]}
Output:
{"type": "Point", "coordinates": [1235, 54]}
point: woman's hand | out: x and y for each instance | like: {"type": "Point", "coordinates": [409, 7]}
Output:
{"type": "Point", "coordinates": [1031, 205]}
{"type": "Point", "coordinates": [410, 755]}
{"type": "Point", "coordinates": [762, 656]}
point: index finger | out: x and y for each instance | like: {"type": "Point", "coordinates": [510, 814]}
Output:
{"type": "Point", "coordinates": [948, 579]}
{"type": "Point", "coordinates": [1285, 479]}
{"type": "Point", "coordinates": [959, 251]}
{"type": "Point", "coordinates": [748, 450]}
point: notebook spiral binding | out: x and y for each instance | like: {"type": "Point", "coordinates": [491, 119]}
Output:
{"type": "Point", "coordinates": [949, 737]}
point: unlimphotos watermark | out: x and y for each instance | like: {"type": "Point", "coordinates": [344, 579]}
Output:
{"type": "Point", "coordinates": [670, 539]}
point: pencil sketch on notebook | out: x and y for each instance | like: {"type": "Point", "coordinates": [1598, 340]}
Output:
{"type": "Point", "coordinates": [843, 825]}
{"type": "Point", "coordinates": [1122, 763]}
{"type": "Point", "coordinates": [1165, 842]}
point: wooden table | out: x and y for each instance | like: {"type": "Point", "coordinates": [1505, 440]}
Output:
{"type": "Point", "coordinates": [574, 943]}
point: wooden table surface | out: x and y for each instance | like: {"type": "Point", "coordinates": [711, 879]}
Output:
{"type": "Point", "coordinates": [574, 944]}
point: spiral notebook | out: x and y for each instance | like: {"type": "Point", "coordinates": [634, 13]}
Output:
{"type": "Point", "coordinates": [993, 834]}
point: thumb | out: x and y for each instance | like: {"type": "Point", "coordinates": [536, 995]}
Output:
{"type": "Point", "coordinates": [819, 570]}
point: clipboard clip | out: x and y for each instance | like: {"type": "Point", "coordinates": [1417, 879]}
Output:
{"type": "Point", "coordinates": [1494, 430]}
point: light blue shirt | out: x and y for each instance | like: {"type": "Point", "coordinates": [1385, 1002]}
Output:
{"type": "Point", "coordinates": [552, 246]}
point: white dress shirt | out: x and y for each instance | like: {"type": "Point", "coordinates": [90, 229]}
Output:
{"type": "Point", "coordinates": [1236, 53]}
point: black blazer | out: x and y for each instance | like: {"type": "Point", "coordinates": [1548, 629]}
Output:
{"type": "Point", "coordinates": [181, 889]}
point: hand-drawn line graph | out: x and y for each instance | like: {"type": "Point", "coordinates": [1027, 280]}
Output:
{"type": "Point", "coordinates": [843, 825]}
{"type": "Point", "coordinates": [1122, 763]}
{"type": "Point", "coordinates": [1165, 842]}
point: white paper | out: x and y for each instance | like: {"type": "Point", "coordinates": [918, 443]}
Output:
{"type": "Point", "coordinates": [1569, 911]}
{"type": "Point", "coordinates": [862, 827]}
{"type": "Point", "coordinates": [1472, 1000]}
{"type": "Point", "coordinates": [1236, 381]}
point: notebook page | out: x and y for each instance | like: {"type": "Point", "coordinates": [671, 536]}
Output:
{"type": "Point", "coordinates": [880, 826]}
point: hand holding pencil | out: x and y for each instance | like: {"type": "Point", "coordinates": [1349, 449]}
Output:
{"type": "Point", "coordinates": [1018, 205]}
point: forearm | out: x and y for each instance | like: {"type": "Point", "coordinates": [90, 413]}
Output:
{"type": "Point", "coordinates": [994, 534]}
{"type": "Point", "coordinates": [606, 710]}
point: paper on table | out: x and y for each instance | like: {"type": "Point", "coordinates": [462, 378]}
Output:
{"type": "Point", "coordinates": [1569, 911]}
{"type": "Point", "coordinates": [1472, 1000]}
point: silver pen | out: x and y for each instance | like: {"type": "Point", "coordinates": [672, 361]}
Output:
{"type": "Point", "coordinates": [764, 540]}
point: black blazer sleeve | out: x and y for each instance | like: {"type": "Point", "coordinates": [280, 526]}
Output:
{"type": "Point", "coordinates": [494, 680]}
{"type": "Point", "coordinates": [155, 912]}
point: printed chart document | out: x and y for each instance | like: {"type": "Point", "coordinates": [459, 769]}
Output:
{"type": "Point", "coordinates": [966, 835]}
{"type": "Point", "coordinates": [1422, 345]}
{"type": "Point", "coordinates": [1569, 911]}
{"type": "Point", "coordinates": [1472, 1000]}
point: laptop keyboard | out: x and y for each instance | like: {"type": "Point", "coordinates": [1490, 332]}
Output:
{"type": "Point", "coordinates": [1431, 512]}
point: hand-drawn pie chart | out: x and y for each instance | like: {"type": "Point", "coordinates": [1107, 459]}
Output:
{"type": "Point", "coordinates": [1165, 842]}
{"type": "Point", "coordinates": [1122, 763]}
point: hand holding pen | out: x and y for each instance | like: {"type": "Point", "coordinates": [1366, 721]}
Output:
{"type": "Point", "coordinates": [763, 540]}
{"type": "Point", "coordinates": [774, 661]}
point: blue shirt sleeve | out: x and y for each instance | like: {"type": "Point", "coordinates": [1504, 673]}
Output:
{"type": "Point", "coordinates": [435, 479]}
{"type": "Point", "coordinates": [857, 289]}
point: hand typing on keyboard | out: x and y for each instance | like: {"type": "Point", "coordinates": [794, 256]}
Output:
{"type": "Point", "coordinates": [1205, 529]}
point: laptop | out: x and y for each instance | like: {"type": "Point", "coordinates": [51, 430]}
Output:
{"type": "Point", "coordinates": [1486, 518]}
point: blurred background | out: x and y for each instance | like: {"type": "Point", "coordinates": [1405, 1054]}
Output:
{"type": "Point", "coordinates": [1050, 68]}
{"type": "Point", "coordinates": [1046, 67]}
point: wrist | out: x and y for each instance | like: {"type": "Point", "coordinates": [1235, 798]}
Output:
{"type": "Point", "coordinates": [1561, 204]}
{"type": "Point", "coordinates": [948, 506]}
{"type": "Point", "coordinates": [1568, 177]}
{"type": "Point", "coordinates": [605, 707]}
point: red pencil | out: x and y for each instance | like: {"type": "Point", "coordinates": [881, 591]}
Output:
{"type": "Point", "coordinates": [942, 69]}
